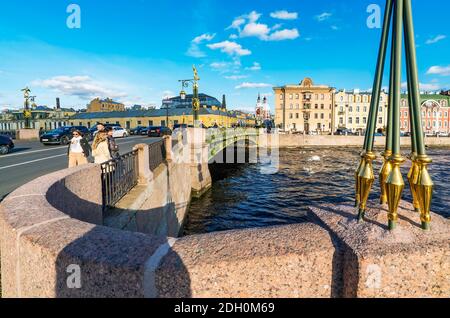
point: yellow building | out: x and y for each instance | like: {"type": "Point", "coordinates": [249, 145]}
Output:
{"type": "Point", "coordinates": [158, 117]}
{"type": "Point", "coordinates": [305, 107]}
{"type": "Point", "coordinates": [352, 110]}
{"type": "Point", "coordinates": [105, 105]}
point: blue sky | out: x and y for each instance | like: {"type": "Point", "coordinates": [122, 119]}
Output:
{"type": "Point", "coordinates": [136, 50]}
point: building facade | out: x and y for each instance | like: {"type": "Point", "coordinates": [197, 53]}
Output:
{"type": "Point", "coordinates": [178, 102]}
{"type": "Point", "coordinates": [304, 107]}
{"type": "Point", "coordinates": [105, 105]}
{"type": "Point", "coordinates": [42, 118]}
{"type": "Point", "coordinates": [352, 110]}
{"type": "Point", "coordinates": [262, 110]}
{"type": "Point", "coordinates": [164, 117]}
{"type": "Point", "coordinates": [435, 113]}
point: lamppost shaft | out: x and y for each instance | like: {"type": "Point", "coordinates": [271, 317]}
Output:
{"type": "Point", "coordinates": [376, 90]}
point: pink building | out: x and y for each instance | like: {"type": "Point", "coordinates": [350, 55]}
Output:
{"type": "Point", "coordinates": [435, 114]}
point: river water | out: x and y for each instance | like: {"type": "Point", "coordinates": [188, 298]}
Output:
{"type": "Point", "coordinates": [247, 198]}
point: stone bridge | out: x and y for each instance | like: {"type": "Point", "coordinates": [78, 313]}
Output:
{"type": "Point", "coordinates": [57, 240]}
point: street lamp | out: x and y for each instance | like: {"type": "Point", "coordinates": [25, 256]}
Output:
{"type": "Point", "coordinates": [195, 99]}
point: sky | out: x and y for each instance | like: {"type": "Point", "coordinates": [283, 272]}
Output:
{"type": "Point", "coordinates": [135, 51]}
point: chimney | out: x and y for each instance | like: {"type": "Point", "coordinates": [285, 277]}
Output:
{"type": "Point", "coordinates": [58, 104]}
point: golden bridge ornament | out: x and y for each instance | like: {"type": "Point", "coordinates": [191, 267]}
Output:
{"type": "Point", "coordinates": [398, 14]}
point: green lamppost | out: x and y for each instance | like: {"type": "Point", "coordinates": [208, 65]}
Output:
{"type": "Point", "coordinates": [195, 98]}
{"type": "Point", "coordinates": [26, 110]}
{"type": "Point", "coordinates": [391, 180]}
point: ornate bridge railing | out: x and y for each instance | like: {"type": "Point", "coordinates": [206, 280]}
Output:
{"type": "Point", "coordinates": [157, 154]}
{"type": "Point", "coordinates": [119, 176]}
{"type": "Point", "coordinates": [219, 139]}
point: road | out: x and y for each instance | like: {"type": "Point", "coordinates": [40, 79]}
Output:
{"type": "Point", "coordinates": [31, 159]}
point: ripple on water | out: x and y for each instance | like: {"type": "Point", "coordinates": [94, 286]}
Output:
{"type": "Point", "coordinates": [247, 198]}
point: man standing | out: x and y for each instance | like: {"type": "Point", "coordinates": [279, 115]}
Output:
{"type": "Point", "coordinates": [112, 145]}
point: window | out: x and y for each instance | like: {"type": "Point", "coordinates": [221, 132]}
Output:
{"type": "Point", "coordinates": [297, 115]}
{"type": "Point", "coordinates": [291, 116]}
{"type": "Point", "coordinates": [291, 96]}
{"type": "Point", "coordinates": [365, 109]}
{"type": "Point", "coordinates": [297, 96]}
{"type": "Point", "coordinates": [150, 122]}
{"type": "Point", "coordinates": [445, 124]}
{"type": "Point", "coordinates": [139, 122]}
{"type": "Point", "coordinates": [322, 106]}
{"type": "Point", "coordinates": [322, 96]}
{"type": "Point", "coordinates": [316, 106]}
{"type": "Point", "coordinates": [434, 124]}
{"type": "Point", "coordinates": [341, 109]}
{"type": "Point", "coordinates": [381, 109]}
{"type": "Point", "coordinates": [380, 120]}
{"type": "Point", "coordinates": [350, 109]}
{"type": "Point", "coordinates": [357, 120]}
{"type": "Point", "coordinates": [341, 120]}
{"type": "Point", "coordinates": [446, 114]}
{"type": "Point", "coordinates": [364, 120]}
{"type": "Point", "coordinates": [163, 123]}
{"type": "Point", "coordinates": [316, 116]}
{"type": "Point", "coordinates": [357, 109]}
{"type": "Point", "coordinates": [350, 120]}
{"type": "Point", "coordinates": [342, 98]}
{"type": "Point", "coordinates": [406, 114]}
{"type": "Point", "coordinates": [297, 106]}
{"type": "Point", "coordinates": [322, 116]}
{"type": "Point", "coordinates": [291, 106]}
{"type": "Point", "coordinates": [281, 96]}
{"type": "Point", "coordinates": [316, 96]}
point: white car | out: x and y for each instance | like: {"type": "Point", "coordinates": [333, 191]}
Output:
{"type": "Point", "coordinates": [119, 132]}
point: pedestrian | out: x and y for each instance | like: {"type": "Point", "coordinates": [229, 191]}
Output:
{"type": "Point", "coordinates": [100, 149]}
{"type": "Point", "coordinates": [78, 150]}
{"type": "Point", "coordinates": [100, 127]}
{"type": "Point", "coordinates": [113, 147]}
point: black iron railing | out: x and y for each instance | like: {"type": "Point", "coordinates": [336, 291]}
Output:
{"type": "Point", "coordinates": [119, 176]}
{"type": "Point", "coordinates": [157, 154]}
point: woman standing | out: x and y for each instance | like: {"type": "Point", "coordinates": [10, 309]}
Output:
{"type": "Point", "coordinates": [101, 148]}
{"type": "Point", "coordinates": [79, 150]}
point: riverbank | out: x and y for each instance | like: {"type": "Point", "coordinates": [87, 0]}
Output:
{"type": "Point", "coordinates": [289, 141]}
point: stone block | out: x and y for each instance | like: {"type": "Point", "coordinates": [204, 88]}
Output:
{"type": "Point", "coordinates": [406, 262]}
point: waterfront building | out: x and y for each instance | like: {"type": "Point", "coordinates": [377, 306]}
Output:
{"type": "Point", "coordinates": [262, 110]}
{"type": "Point", "coordinates": [158, 117]}
{"type": "Point", "coordinates": [435, 113]}
{"type": "Point", "coordinates": [305, 107]}
{"type": "Point", "coordinates": [42, 118]}
{"type": "Point", "coordinates": [352, 110]}
{"type": "Point", "coordinates": [104, 105]}
{"type": "Point", "coordinates": [186, 102]}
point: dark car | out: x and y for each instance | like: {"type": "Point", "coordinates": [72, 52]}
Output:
{"type": "Point", "coordinates": [6, 144]}
{"type": "Point", "coordinates": [158, 131]}
{"type": "Point", "coordinates": [62, 135]}
{"type": "Point", "coordinates": [138, 130]}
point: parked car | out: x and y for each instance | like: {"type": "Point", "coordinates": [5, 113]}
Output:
{"type": "Point", "coordinates": [119, 132]}
{"type": "Point", "coordinates": [6, 144]}
{"type": "Point", "coordinates": [181, 126]}
{"type": "Point", "coordinates": [344, 132]}
{"type": "Point", "coordinates": [158, 131]}
{"type": "Point", "coordinates": [62, 135]}
{"type": "Point", "coordinates": [138, 130]}
{"type": "Point", "coordinates": [442, 134]}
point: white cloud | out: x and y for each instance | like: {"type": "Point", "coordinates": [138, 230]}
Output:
{"type": "Point", "coordinates": [219, 65]}
{"type": "Point", "coordinates": [194, 50]}
{"type": "Point", "coordinates": [323, 16]}
{"type": "Point", "coordinates": [284, 15]}
{"type": "Point", "coordinates": [258, 30]}
{"type": "Point", "coordinates": [284, 35]}
{"type": "Point", "coordinates": [334, 27]}
{"type": "Point", "coordinates": [253, 85]}
{"type": "Point", "coordinates": [231, 48]}
{"type": "Point", "coordinates": [80, 86]}
{"type": "Point", "coordinates": [234, 36]}
{"type": "Point", "coordinates": [439, 70]}
{"type": "Point", "coordinates": [255, 67]}
{"type": "Point", "coordinates": [248, 26]}
{"type": "Point", "coordinates": [236, 77]}
{"type": "Point", "coordinates": [429, 87]}
{"type": "Point", "coordinates": [204, 37]}
{"type": "Point", "coordinates": [436, 39]}
{"type": "Point", "coordinates": [167, 94]}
